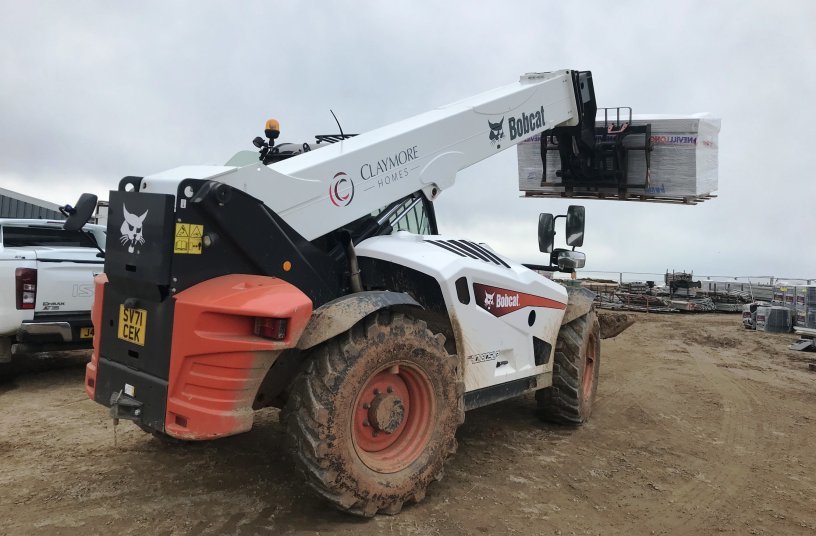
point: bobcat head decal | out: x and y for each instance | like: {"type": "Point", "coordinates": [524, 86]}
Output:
{"type": "Point", "coordinates": [488, 302]}
{"type": "Point", "coordinates": [132, 229]}
{"type": "Point", "coordinates": [496, 132]}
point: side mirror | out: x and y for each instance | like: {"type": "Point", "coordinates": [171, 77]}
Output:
{"type": "Point", "coordinates": [575, 225]}
{"type": "Point", "coordinates": [79, 215]}
{"type": "Point", "coordinates": [568, 261]}
{"type": "Point", "coordinates": [546, 232]}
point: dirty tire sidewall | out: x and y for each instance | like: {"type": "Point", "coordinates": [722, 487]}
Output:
{"type": "Point", "coordinates": [321, 409]}
{"type": "Point", "coordinates": [566, 401]}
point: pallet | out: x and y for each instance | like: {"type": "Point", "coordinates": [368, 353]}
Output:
{"type": "Point", "coordinates": [644, 198]}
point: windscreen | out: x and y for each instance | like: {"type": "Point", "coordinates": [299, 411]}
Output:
{"type": "Point", "coordinates": [44, 236]}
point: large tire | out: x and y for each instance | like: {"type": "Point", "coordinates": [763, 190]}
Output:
{"type": "Point", "coordinates": [6, 368]}
{"type": "Point", "coordinates": [576, 367]}
{"type": "Point", "coordinates": [5, 349]}
{"type": "Point", "coordinates": [372, 418]}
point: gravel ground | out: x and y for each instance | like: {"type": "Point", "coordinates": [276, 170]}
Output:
{"type": "Point", "coordinates": [699, 427]}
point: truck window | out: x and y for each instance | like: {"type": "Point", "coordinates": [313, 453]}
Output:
{"type": "Point", "coordinates": [44, 236]}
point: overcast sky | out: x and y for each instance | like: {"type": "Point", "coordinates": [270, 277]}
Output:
{"type": "Point", "coordinates": [93, 91]}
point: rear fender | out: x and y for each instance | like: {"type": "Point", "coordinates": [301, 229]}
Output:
{"type": "Point", "coordinates": [217, 362]}
{"type": "Point", "coordinates": [339, 315]}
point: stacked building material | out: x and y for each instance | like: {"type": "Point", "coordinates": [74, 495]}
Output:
{"type": "Point", "coordinates": [683, 162]}
{"type": "Point", "coordinates": [805, 306]}
{"type": "Point", "coordinates": [637, 287]}
{"type": "Point", "coordinates": [784, 295]}
{"type": "Point", "coordinates": [695, 305]}
{"type": "Point", "coordinates": [777, 319]}
{"type": "Point", "coordinates": [761, 317]}
{"type": "Point", "coordinates": [730, 301]}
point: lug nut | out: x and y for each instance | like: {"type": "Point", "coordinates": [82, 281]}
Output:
{"type": "Point", "coordinates": [375, 433]}
{"type": "Point", "coordinates": [365, 423]}
{"type": "Point", "coordinates": [390, 389]}
{"type": "Point", "coordinates": [366, 406]}
{"type": "Point", "coordinates": [376, 392]}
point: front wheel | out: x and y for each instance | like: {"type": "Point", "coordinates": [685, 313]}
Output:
{"type": "Point", "coordinates": [576, 367]}
{"type": "Point", "coordinates": [373, 417]}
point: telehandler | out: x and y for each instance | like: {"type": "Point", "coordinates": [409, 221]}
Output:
{"type": "Point", "coordinates": [314, 279]}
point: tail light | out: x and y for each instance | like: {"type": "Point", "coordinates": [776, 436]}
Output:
{"type": "Point", "coordinates": [26, 287]}
{"type": "Point", "coordinates": [271, 328]}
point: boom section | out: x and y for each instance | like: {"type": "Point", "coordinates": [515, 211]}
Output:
{"type": "Point", "coordinates": [323, 190]}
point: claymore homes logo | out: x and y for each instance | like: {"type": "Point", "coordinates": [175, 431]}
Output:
{"type": "Point", "coordinates": [518, 127]}
{"type": "Point", "coordinates": [389, 169]}
{"type": "Point", "coordinates": [341, 190]}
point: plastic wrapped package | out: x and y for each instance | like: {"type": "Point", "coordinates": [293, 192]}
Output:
{"type": "Point", "coordinates": [761, 318]}
{"type": "Point", "coordinates": [777, 319]}
{"type": "Point", "coordinates": [683, 164]}
{"type": "Point", "coordinates": [806, 296]}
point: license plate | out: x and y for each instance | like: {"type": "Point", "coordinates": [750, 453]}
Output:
{"type": "Point", "coordinates": [132, 325]}
{"type": "Point", "coordinates": [86, 333]}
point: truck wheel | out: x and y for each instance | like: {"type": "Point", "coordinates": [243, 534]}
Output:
{"type": "Point", "coordinates": [5, 358]}
{"type": "Point", "coordinates": [372, 418]}
{"type": "Point", "coordinates": [5, 349]}
{"type": "Point", "coordinates": [575, 373]}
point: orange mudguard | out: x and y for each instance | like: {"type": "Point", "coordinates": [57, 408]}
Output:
{"type": "Point", "coordinates": [217, 362]}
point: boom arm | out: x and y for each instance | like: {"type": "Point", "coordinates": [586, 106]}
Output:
{"type": "Point", "coordinates": [323, 190]}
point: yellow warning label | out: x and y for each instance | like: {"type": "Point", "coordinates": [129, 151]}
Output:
{"type": "Point", "coordinates": [188, 238]}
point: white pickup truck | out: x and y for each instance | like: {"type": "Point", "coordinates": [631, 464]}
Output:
{"type": "Point", "coordinates": [46, 286]}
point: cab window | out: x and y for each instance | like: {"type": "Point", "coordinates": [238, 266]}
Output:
{"type": "Point", "coordinates": [415, 221]}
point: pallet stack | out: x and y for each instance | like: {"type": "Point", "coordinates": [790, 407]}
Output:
{"type": "Point", "coordinates": [805, 306]}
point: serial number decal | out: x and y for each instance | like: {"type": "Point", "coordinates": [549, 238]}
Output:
{"type": "Point", "coordinates": [481, 358]}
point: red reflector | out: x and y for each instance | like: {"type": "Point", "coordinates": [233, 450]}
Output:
{"type": "Point", "coordinates": [271, 328]}
{"type": "Point", "coordinates": [26, 282]}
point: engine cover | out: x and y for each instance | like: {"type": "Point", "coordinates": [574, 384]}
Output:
{"type": "Point", "coordinates": [505, 317]}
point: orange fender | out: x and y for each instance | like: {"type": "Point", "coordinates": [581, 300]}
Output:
{"type": "Point", "coordinates": [217, 362]}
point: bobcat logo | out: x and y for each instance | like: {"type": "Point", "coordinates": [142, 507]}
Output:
{"type": "Point", "coordinates": [496, 132]}
{"type": "Point", "coordinates": [489, 300]}
{"type": "Point", "coordinates": [132, 229]}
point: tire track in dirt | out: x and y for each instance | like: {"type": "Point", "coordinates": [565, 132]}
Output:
{"type": "Point", "coordinates": [743, 435]}
{"type": "Point", "coordinates": [739, 432]}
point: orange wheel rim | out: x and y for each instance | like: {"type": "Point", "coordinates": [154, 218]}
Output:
{"type": "Point", "coordinates": [393, 418]}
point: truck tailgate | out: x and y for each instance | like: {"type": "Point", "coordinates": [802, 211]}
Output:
{"type": "Point", "coordinates": [65, 278]}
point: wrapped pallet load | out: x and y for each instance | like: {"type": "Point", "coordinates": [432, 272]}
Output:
{"type": "Point", "coordinates": [682, 162]}
{"type": "Point", "coordinates": [806, 306]}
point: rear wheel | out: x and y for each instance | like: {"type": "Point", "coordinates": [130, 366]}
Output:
{"type": "Point", "coordinates": [372, 418]}
{"type": "Point", "coordinates": [5, 358]}
{"type": "Point", "coordinates": [575, 373]}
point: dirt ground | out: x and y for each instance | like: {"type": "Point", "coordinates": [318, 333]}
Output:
{"type": "Point", "coordinates": [699, 427]}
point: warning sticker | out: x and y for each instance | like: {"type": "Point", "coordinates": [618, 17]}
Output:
{"type": "Point", "coordinates": [188, 238]}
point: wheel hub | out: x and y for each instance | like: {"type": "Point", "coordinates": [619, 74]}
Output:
{"type": "Point", "coordinates": [386, 413]}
